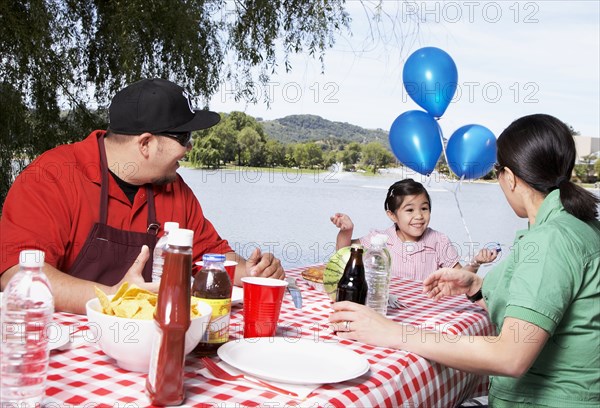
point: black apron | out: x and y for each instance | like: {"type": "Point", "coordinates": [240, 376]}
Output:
{"type": "Point", "coordinates": [109, 252]}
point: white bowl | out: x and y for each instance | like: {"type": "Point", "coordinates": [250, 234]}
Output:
{"type": "Point", "coordinates": [129, 341]}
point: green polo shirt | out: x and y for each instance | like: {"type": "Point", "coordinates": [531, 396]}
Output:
{"type": "Point", "coordinates": [551, 279]}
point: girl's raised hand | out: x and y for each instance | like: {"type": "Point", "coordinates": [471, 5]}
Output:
{"type": "Point", "coordinates": [486, 256]}
{"type": "Point", "coordinates": [342, 221]}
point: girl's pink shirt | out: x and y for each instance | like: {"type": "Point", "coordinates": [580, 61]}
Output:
{"type": "Point", "coordinates": [417, 260]}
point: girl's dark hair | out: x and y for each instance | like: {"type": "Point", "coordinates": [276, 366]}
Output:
{"type": "Point", "coordinates": [540, 150]}
{"type": "Point", "coordinates": [399, 190]}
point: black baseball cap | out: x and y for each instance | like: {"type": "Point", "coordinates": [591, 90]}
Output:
{"type": "Point", "coordinates": [156, 106]}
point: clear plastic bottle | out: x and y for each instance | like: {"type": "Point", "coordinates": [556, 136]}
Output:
{"type": "Point", "coordinates": [158, 257]}
{"type": "Point", "coordinates": [377, 262]}
{"type": "Point", "coordinates": [27, 308]}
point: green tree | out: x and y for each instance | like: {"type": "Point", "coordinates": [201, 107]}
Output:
{"type": "Point", "coordinates": [251, 147]}
{"type": "Point", "coordinates": [239, 120]}
{"type": "Point", "coordinates": [597, 168]}
{"type": "Point", "coordinates": [225, 132]}
{"type": "Point", "coordinates": [585, 170]}
{"type": "Point", "coordinates": [351, 154]}
{"type": "Point", "coordinates": [300, 155]}
{"type": "Point", "coordinates": [314, 155]}
{"type": "Point", "coordinates": [72, 56]}
{"type": "Point", "coordinates": [374, 155]}
{"type": "Point", "coordinates": [275, 153]}
{"type": "Point", "coordinates": [329, 158]}
{"type": "Point", "coordinates": [207, 152]}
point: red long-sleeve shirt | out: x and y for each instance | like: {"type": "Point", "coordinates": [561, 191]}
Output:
{"type": "Point", "coordinates": [55, 201]}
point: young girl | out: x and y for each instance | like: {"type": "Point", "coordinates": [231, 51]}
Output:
{"type": "Point", "coordinates": [416, 249]}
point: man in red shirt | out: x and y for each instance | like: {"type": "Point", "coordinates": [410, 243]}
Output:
{"type": "Point", "coordinates": [95, 207]}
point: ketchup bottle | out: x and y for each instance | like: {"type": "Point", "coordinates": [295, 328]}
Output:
{"type": "Point", "coordinates": [164, 385]}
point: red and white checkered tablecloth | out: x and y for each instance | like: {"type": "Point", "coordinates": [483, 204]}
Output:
{"type": "Point", "coordinates": [84, 376]}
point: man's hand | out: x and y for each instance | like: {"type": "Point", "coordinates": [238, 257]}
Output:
{"type": "Point", "coordinates": [134, 273]}
{"type": "Point", "coordinates": [264, 265]}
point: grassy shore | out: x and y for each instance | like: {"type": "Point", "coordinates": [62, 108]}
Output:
{"type": "Point", "coordinates": [232, 167]}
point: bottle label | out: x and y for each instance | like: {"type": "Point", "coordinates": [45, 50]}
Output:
{"type": "Point", "coordinates": [218, 327]}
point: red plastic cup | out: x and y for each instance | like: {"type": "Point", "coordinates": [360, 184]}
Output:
{"type": "Point", "coordinates": [262, 304]}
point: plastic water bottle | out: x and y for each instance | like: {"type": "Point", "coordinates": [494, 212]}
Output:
{"type": "Point", "coordinates": [158, 257]}
{"type": "Point", "coordinates": [377, 262]}
{"type": "Point", "coordinates": [27, 308]}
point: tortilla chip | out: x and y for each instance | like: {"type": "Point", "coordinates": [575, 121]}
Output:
{"type": "Point", "coordinates": [122, 289]}
{"type": "Point", "coordinates": [127, 308]}
{"type": "Point", "coordinates": [134, 291]}
{"type": "Point", "coordinates": [133, 302]}
{"type": "Point", "coordinates": [104, 301]}
{"type": "Point", "coordinates": [145, 311]}
{"type": "Point", "coordinates": [151, 298]}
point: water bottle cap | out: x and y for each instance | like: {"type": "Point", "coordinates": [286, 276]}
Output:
{"type": "Point", "coordinates": [379, 239]}
{"type": "Point", "coordinates": [170, 226]}
{"type": "Point", "coordinates": [181, 237]}
{"type": "Point", "coordinates": [213, 258]}
{"type": "Point", "coordinates": [31, 258]}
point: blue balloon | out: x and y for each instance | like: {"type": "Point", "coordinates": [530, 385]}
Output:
{"type": "Point", "coordinates": [430, 78]}
{"type": "Point", "coordinates": [416, 140]}
{"type": "Point", "coordinates": [471, 151]}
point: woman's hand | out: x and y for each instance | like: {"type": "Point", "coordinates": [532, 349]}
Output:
{"type": "Point", "coordinates": [358, 322]}
{"type": "Point", "coordinates": [451, 282]}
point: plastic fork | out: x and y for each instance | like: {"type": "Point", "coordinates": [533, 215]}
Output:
{"type": "Point", "coordinates": [395, 303]}
{"type": "Point", "coordinates": [224, 375]}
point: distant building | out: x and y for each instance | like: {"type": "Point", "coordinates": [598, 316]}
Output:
{"type": "Point", "coordinates": [586, 146]}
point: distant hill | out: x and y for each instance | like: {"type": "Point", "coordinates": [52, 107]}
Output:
{"type": "Point", "coordinates": [304, 128]}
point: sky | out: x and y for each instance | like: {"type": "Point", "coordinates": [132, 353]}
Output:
{"type": "Point", "coordinates": [513, 58]}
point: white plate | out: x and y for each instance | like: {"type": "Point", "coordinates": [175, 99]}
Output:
{"type": "Point", "coordinates": [294, 361]}
{"type": "Point", "coordinates": [237, 296]}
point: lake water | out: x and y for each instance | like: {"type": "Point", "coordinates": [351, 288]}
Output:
{"type": "Point", "coordinates": [287, 213]}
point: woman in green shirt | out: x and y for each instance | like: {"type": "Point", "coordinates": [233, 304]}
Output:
{"type": "Point", "coordinates": [544, 298]}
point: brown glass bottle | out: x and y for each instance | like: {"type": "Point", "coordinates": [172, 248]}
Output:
{"type": "Point", "coordinates": [353, 284]}
{"type": "Point", "coordinates": [213, 286]}
{"type": "Point", "coordinates": [165, 382]}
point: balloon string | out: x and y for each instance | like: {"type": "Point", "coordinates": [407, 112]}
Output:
{"type": "Point", "coordinates": [444, 150]}
{"type": "Point", "coordinates": [455, 192]}
{"type": "Point", "coordinates": [462, 217]}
